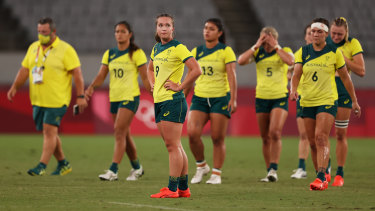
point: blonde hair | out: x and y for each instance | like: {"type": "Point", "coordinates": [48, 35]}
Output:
{"type": "Point", "coordinates": [341, 21]}
{"type": "Point", "coordinates": [270, 30]}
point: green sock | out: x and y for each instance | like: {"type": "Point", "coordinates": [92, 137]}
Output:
{"type": "Point", "coordinates": [340, 171]}
{"type": "Point", "coordinates": [173, 183]}
{"type": "Point", "coordinates": [273, 166]}
{"type": "Point", "coordinates": [302, 164]}
{"type": "Point", "coordinates": [61, 162]}
{"type": "Point", "coordinates": [183, 182]}
{"type": "Point", "coordinates": [321, 176]}
{"type": "Point", "coordinates": [42, 165]}
{"type": "Point", "coordinates": [135, 164]}
{"type": "Point", "coordinates": [114, 167]}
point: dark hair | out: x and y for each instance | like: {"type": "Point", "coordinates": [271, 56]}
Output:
{"type": "Point", "coordinates": [157, 38]}
{"type": "Point", "coordinates": [48, 20]}
{"type": "Point", "coordinates": [132, 46]}
{"type": "Point", "coordinates": [220, 27]}
{"type": "Point", "coordinates": [306, 27]}
{"type": "Point", "coordinates": [341, 21]}
{"type": "Point", "coordinates": [320, 20]}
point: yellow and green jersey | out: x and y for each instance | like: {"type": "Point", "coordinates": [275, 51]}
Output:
{"type": "Point", "coordinates": [299, 89]}
{"type": "Point", "coordinates": [213, 82]}
{"type": "Point", "coordinates": [319, 67]}
{"type": "Point", "coordinates": [168, 60]}
{"type": "Point", "coordinates": [123, 72]}
{"type": "Point", "coordinates": [56, 88]}
{"type": "Point", "coordinates": [272, 80]}
{"type": "Point", "coordinates": [348, 48]}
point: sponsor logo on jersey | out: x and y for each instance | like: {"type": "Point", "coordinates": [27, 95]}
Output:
{"type": "Point", "coordinates": [201, 53]}
{"type": "Point", "coordinates": [346, 101]}
{"type": "Point", "coordinates": [282, 103]}
{"type": "Point", "coordinates": [112, 56]}
{"type": "Point", "coordinates": [224, 107]}
{"type": "Point", "coordinates": [307, 57]}
{"type": "Point", "coordinates": [166, 113]}
{"type": "Point", "coordinates": [261, 55]}
{"type": "Point", "coordinates": [125, 102]}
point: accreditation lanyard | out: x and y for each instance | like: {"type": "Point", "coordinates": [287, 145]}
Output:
{"type": "Point", "coordinates": [44, 58]}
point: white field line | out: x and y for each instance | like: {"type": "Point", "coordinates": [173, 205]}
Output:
{"type": "Point", "coordinates": [149, 206]}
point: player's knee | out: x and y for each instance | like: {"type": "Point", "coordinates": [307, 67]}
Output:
{"type": "Point", "coordinates": [218, 139]}
{"type": "Point", "coordinates": [275, 135]}
{"type": "Point", "coordinates": [171, 147]}
{"type": "Point", "coordinates": [321, 139]}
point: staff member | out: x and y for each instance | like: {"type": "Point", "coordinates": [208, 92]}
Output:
{"type": "Point", "coordinates": [50, 64]}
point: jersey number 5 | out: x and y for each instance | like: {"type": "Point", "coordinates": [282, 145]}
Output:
{"type": "Point", "coordinates": [269, 72]}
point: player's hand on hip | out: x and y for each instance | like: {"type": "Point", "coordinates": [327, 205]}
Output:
{"type": "Point", "coordinates": [170, 85]}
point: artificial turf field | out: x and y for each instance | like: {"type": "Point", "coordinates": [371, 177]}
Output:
{"type": "Point", "coordinates": [240, 189]}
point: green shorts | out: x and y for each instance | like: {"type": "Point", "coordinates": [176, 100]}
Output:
{"type": "Point", "coordinates": [299, 108]}
{"type": "Point", "coordinates": [266, 106]}
{"type": "Point", "coordinates": [311, 112]}
{"type": "Point", "coordinates": [211, 105]}
{"type": "Point", "coordinates": [51, 116]}
{"type": "Point", "coordinates": [344, 98]}
{"type": "Point", "coordinates": [171, 110]}
{"type": "Point", "coordinates": [131, 105]}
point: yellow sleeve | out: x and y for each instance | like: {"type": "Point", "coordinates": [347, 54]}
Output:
{"type": "Point", "coordinates": [140, 57]}
{"type": "Point", "coordinates": [356, 47]}
{"type": "Point", "coordinates": [256, 53]}
{"type": "Point", "coordinates": [229, 55]}
{"type": "Point", "coordinates": [340, 62]}
{"type": "Point", "coordinates": [152, 52]}
{"type": "Point", "coordinates": [183, 53]}
{"type": "Point", "coordinates": [298, 56]}
{"type": "Point", "coordinates": [105, 57]}
{"type": "Point", "coordinates": [25, 60]}
{"type": "Point", "coordinates": [194, 52]}
{"type": "Point", "coordinates": [71, 59]}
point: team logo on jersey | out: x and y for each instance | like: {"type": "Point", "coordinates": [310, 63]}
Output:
{"type": "Point", "coordinates": [328, 107]}
{"type": "Point", "coordinates": [307, 57]}
{"type": "Point", "coordinates": [282, 103]}
{"type": "Point", "coordinates": [327, 58]}
{"type": "Point", "coordinates": [346, 101]}
{"type": "Point", "coordinates": [166, 113]}
{"type": "Point", "coordinates": [112, 56]}
{"type": "Point", "coordinates": [169, 51]}
{"type": "Point", "coordinates": [224, 107]}
{"type": "Point", "coordinates": [125, 102]}
{"type": "Point", "coordinates": [261, 55]}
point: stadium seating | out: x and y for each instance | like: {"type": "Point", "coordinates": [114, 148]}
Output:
{"type": "Point", "coordinates": [88, 25]}
{"type": "Point", "coordinates": [290, 17]}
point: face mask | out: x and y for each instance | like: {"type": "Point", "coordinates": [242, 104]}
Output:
{"type": "Point", "coordinates": [44, 39]}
